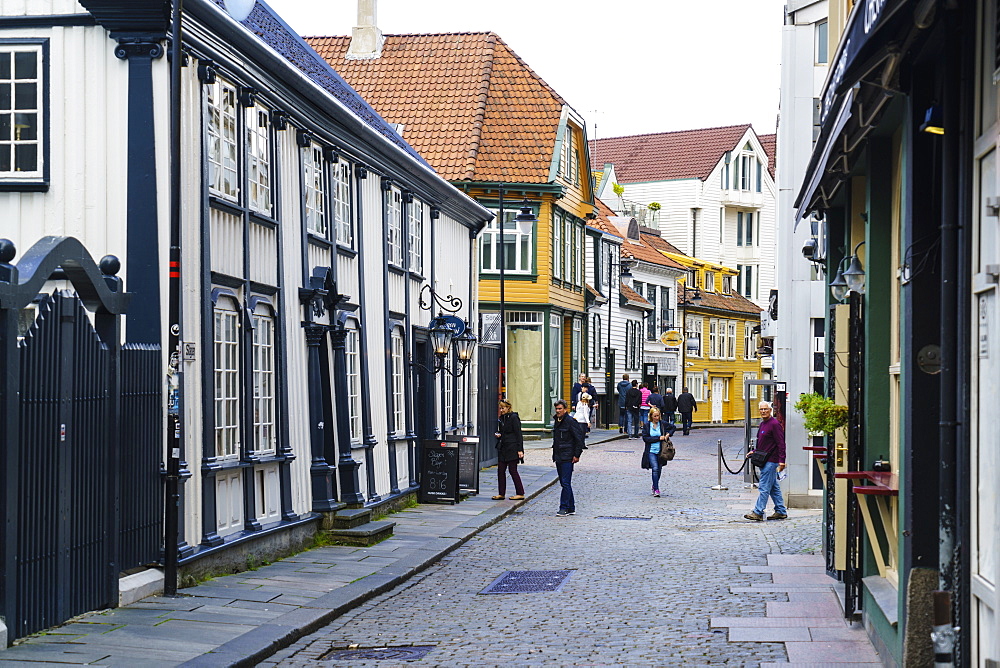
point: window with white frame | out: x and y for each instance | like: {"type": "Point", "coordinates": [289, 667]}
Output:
{"type": "Point", "coordinates": [342, 203]}
{"type": "Point", "coordinates": [448, 384]}
{"type": "Point", "coordinates": [461, 388]}
{"type": "Point", "coordinates": [731, 340]}
{"type": "Point", "coordinates": [569, 160]}
{"type": "Point", "coordinates": [747, 160]}
{"type": "Point", "coordinates": [596, 337]}
{"type": "Point", "coordinates": [666, 313]}
{"type": "Point", "coordinates": [555, 351]}
{"type": "Point", "coordinates": [696, 385]}
{"type": "Point", "coordinates": [227, 378]}
{"type": "Point", "coordinates": [257, 119]}
{"type": "Point", "coordinates": [517, 252]}
{"type": "Point", "coordinates": [353, 355]}
{"type": "Point", "coordinates": [636, 344]}
{"type": "Point", "coordinates": [710, 281]}
{"type": "Point", "coordinates": [748, 228]}
{"type": "Point", "coordinates": [744, 280]}
{"type": "Point", "coordinates": [724, 172]}
{"type": "Point", "coordinates": [726, 383]}
{"type": "Point", "coordinates": [578, 262]}
{"type": "Point", "coordinates": [698, 327]}
{"type": "Point", "coordinates": [713, 326]}
{"type": "Point", "coordinates": [652, 331]}
{"type": "Point", "coordinates": [314, 186]}
{"type": "Point", "coordinates": [415, 230]}
{"type": "Point", "coordinates": [576, 348]}
{"type": "Point", "coordinates": [264, 436]}
{"type": "Point", "coordinates": [569, 257]}
{"type": "Point", "coordinates": [557, 247]}
{"type": "Point", "coordinates": [223, 163]}
{"type": "Point", "coordinates": [394, 203]}
{"type": "Point", "coordinates": [749, 343]}
{"type": "Point", "coordinates": [22, 116]}
{"type": "Point", "coordinates": [752, 388]}
{"type": "Point", "coordinates": [727, 284]}
{"type": "Point", "coordinates": [398, 381]}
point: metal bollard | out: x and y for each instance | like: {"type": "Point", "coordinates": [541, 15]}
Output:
{"type": "Point", "coordinates": [719, 458]}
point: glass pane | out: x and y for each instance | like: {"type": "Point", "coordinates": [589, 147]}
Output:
{"type": "Point", "coordinates": [488, 263]}
{"type": "Point", "coordinates": [525, 253]}
{"type": "Point", "coordinates": [25, 127]}
{"type": "Point", "coordinates": [5, 127]}
{"type": "Point", "coordinates": [509, 251]}
{"type": "Point", "coordinates": [26, 158]}
{"type": "Point", "coordinates": [5, 65]}
{"type": "Point", "coordinates": [5, 96]}
{"type": "Point", "coordinates": [25, 96]}
{"type": "Point", "coordinates": [4, 157]}
{"type": "Point", "coordinates": [26, 65]}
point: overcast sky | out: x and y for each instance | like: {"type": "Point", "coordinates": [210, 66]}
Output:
{"type": "Point", "coordinates": [628, 66]}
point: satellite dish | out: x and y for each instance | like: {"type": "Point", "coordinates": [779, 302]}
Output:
{"type": "Point", "coordinates": [239, 9]}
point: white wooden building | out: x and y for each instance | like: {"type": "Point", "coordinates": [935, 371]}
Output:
{"type": "Point", "coordinates": [310, 232]}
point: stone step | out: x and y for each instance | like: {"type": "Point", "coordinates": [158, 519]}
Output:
{"type": "Point", "coordinates": [364, 535]}
{"type": "Point", "coordinates": [348, 518]}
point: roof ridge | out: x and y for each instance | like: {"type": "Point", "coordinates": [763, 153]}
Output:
{"type": "Point", "coordinates": [481, 102]}
{"type": "Point", "coordinates": [675, 132]}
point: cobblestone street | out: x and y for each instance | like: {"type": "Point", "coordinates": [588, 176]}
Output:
{"type": "Point", "coordinates": [641, 591]}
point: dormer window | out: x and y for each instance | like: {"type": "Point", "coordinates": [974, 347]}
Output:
{"type": "Point", "coordinates": [569, 157]}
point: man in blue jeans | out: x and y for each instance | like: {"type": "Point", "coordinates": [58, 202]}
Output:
{"type": "Point", "coordinates": [770, 439]}
{"type": "Point", "coordinates": [567, 446]}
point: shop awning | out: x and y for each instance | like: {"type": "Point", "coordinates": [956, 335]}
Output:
{"type": "Point", "coordinates": [866, 44]}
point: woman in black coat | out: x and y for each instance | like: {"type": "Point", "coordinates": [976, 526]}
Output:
{"type": "Point", "coordinates": [510, 444]}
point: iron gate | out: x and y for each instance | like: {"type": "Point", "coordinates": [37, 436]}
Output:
{"type": "Point", "coordinates": [489, 394]}
{"type": "Point", "coordinates": [855, 451]}
{"type": "Point", "coordinates": [74, 448]}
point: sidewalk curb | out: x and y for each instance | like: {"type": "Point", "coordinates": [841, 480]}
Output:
{"type": "Point", "coordinates": [275, 635]}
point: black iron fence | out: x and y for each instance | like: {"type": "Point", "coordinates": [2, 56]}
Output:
{"type": "Point", "coordinates": [80, 461]}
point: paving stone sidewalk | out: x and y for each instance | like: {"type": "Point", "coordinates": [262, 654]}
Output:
{"type": "Point", "coordinates": [240, 619]}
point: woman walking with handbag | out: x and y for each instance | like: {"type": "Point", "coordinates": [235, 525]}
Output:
{"type": "Point", "coordinates": [510, 447]}
{"type": "Point", "coordinates": [659, 450]}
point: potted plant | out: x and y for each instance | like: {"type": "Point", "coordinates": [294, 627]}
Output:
{"type": "Point", "coordinates": [655, 208]}
{"type": "Point", "coordinates": [822, 415]}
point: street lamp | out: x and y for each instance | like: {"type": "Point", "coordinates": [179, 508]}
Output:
{"type": "Point", "coordinates": [524, 221]}
{"type": "Point", "coordinates": [851, 280]}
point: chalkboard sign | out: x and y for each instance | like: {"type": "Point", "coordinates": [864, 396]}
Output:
{"type": "Point", "coordinates": [468, 462]}
{"type": "Point", "coordinates": [439, 472]}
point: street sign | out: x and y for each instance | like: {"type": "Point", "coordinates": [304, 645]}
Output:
{"type": "Point", "coordinates": [671, 337]}
{"type": "Point", "coordinates": [454, 323]}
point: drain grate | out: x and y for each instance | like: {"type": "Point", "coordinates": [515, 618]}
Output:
{"type": "Point", "coordinates": [525, 582]}
{"type": "Point", "coordinates": [610, 517]}
{"type": "Point", "coordinates": [378, 653]}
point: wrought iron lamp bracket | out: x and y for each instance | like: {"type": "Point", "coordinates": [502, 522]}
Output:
{"type": "Point", "coordinates": [450, 303]}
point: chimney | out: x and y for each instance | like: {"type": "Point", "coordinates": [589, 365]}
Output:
{"type": "Point", "coordinates": [366, 38]}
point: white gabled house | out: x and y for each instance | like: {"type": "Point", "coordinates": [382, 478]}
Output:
{"type": "Point", "coordinates": [311, 237]}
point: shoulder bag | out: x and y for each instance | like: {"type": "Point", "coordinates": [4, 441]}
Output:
{"type": "Point", "coordinates": [667, 451]}
{"type": "Point", "coordinates": [759, 457]}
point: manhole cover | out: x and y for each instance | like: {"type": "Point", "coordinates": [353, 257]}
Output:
{"type": "Point", "coordinates": [524, 582]}
{"type": "Point", "coordinates": [609, 517]}
{"type": "Point", "coordinates": [378, 653]}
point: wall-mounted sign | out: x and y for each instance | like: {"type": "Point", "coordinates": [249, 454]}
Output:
{"type": "Point", "coordinates": [671, 337]}
{"type": "Point", "coordinates": [454, 323]}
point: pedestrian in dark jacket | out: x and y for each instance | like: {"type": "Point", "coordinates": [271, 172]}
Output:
{"type": "Point", "coordinates": [633, 401]}
{"type": "Point", "coordinates": [685, 406]}
{"type": "Point", "coordinates": [582, 385]}
{"type": "Point", "coordinates": [510, 451]}
{"type": "Point", "coordinates": [655, 398]}
{"type": "Point", "coordinates": [669, 405]}
{"type": "Point", "coordinates": [567, 446]}
{"type": "Point", "coordinates": [623, 387]}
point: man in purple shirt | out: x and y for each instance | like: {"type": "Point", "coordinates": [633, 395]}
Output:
{"type": "Point", "coordinates": [770, 439]}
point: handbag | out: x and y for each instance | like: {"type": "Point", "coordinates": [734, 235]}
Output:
{"type": "Point", "coordinates": [667, 452]}
{"type": "Point", "coordinates": [759, 458]}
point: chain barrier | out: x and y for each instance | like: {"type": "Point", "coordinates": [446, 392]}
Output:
{"type": "Point", "coordinates": [726, 464]}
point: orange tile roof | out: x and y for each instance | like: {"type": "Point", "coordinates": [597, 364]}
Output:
{"type": "Point", "coordinates": [723, 302]}
{"type": "Point", "coordinates": [647, 253]}
{"type": "Point", "coordinates": [603, 222]}
{"type": "Point", "coordinates": [472, 108]}
{"type": "Point", "coordinates": [661, 244]}
{"type": "Point", "coordinates": [632, 295]}
{"type": "Point", "coordinates": [687, 154]}
{"type": "Point", "coordinates": [769, 143]}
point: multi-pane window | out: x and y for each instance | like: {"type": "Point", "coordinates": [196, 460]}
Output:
{"type": "Point", "coordinates": [710, 281]}
{"type": "Point", "coordinates": [516, 249]}
{"type": "Point", "coordinates": [342, 203]}
{"type": "Point", "coordinates": [258, 158]}
{"type": "Point", "coordinates": [569, 160]}
{"type": "Point", "coordinates": [727, 284]}
{"type": "Point", "coordinates": [694, 331]}
{"type": "Point", "coordinates": [557, 247]}
{"type": "Point", "coordinates": [415, 230]}
{"type": "Point", "coordinates": [596, 338]}
{"type": "Point", "coordinates": [314, 185]}
{"type": "Point", "coordinates": [749, 342]}
{"type": "Point", "coordinates": [578, 262]}
{"type": "Point", "coordinates": [21, 113]}
{"type": "Point", "coordinates": [666, 313]}
{"type": "Point", "coordinates": [263, 381]}
{"type": "Point", "coordinates": [395, 231]}
{"type": "Point", "coordinates": [696, 385]}
{"type": "Point", "coordinates": [223, 162]}
{"type": "Point", "coordinates": [713, 338]}
{"type": "Point", "coordinates": [448, 384]}
{"type": "Point", "coordinates": [353, 354]}
{"type": "Point", "coordinates": [725, 388]}
{"type": "Point", "coordinates": [748, 228]}
{"type": "Point", "coordinates": [461, 421]}
{"type": "Point", "coordinates": [227, 378]}
{"type": "Point", "coordinates": [744, 280]}
{"type": "Point", "coordinates": [398, 381]}
{"type": "Point", "coordinates": [651, 328]}
{"type": "Point", "coordinates": [731, 339]}
{"type": "Point", "coordinates": [749, 390]}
